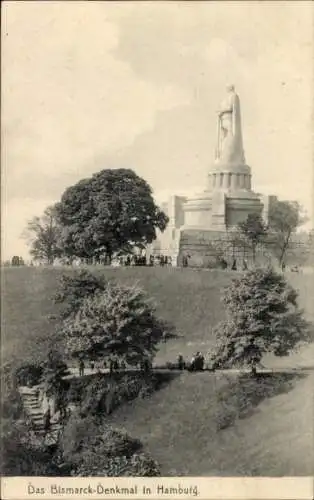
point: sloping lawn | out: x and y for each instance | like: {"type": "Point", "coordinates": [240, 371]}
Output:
{"type": "Point", "coordinates": [189, 299]}
{"type": "Point", "coordinates": [209, 424]}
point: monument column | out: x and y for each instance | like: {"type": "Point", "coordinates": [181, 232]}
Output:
{"type": "Point", "coordinates": [225, 180]}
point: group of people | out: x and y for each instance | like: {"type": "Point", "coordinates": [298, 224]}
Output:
{"type": "Point", "coordinates": [113, 364]}
{"type": "Point", "coordinates": [143, 260]}
{"type": "Point", "coordinates": [196, 364]}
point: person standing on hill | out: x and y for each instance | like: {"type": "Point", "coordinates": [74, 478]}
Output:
{"type": "Point", "coordinates": [81, 368]}
{"type": "Point", "coordinates": [181, 362]}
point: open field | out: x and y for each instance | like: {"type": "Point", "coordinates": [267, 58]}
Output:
{"type": "Point", "coordinates": [189, 299]}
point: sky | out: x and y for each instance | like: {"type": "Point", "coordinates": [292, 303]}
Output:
{"type": "Point", "coordinates": [93, 85]}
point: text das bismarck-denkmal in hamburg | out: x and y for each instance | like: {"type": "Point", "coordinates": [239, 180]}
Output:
{"type": "Point", "coordinates": [100, 489]}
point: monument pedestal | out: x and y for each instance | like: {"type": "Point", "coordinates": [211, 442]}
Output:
{"type": "Point", "coordinates": [228, 198]}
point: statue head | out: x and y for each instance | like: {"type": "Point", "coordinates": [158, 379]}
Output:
{"type": "Point", "coordinates": [230, 88]}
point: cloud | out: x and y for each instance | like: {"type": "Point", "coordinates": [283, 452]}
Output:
{"type": "Point", "coordinates": [65, 96]}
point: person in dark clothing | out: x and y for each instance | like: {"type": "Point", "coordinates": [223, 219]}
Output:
{"type": "Point", "coordinates": [81, 368]}
{"type": "Point", "coordinates": [197, 363]}
{"type": "Point", "coordinates": [224, 263]}
{"type": "Point", "coordinates": [146, 366]}
{"type": "Point", "coordinates": [92, 365]}
{"type": "Point", "coordinates": [234, 265]}
{"type": "Point", "coordinates": [283, 267]}
{"type": "Point", "coordinates": [244, 265]}
{"type": "Point", "coordinates": [181, 362]}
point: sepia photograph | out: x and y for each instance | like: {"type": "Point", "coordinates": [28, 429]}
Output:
{"type": "Point", "coordinates": [157, 251]}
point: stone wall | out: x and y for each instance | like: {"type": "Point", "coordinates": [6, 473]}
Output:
{"type": "Point", "coordinates": [204, 247]}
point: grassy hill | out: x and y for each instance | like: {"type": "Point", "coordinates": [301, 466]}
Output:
{"type": "Point", "coordinates": [189, 299]}
{"type": "Point", "coordinates": [199, 424]}
{"type": "Point", "coordinates": [213, 425]}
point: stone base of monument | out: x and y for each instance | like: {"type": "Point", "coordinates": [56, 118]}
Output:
{"type": "Point", "coordinates": [204, 247]}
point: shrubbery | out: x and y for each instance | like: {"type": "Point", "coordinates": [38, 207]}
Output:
{"type": "Point", "coordinates": [93, 448]}
{"type": "Point", "coordinates": [101, 394]}
{"type": "Point", "coordinates": [138, 465]}
{"type": "Point", "coordinates": [119, 320]}
{"type": "Point", "coordinates": [29, 374]}
{"type": "Point", "coordinates": [75, 288]}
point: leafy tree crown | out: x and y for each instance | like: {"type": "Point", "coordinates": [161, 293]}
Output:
{"type": "Point", "coordinates": [118, 320]}
{"type": "Point", "coordinates": [262, 315]}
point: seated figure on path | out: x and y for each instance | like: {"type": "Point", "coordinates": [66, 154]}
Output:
{"type": "Point", "coordinates": [197, 363]}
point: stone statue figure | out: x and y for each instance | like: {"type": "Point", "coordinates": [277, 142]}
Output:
{"type": "Point", "coordinates": [229, 134]}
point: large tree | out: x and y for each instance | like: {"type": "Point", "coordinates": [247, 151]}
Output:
{"type": "Point", "coordinates": [118, 320]}
{"type": "Point", "coordinates": [43, 236]}
{"type": "Point", "coordinates": [112, 211]}
{"type": "Point", "coordinates": [283, 219]}
{"type": "Point", "coordinates": [254, 230]}
{"type": "Point", "coordinates": [262, 317]}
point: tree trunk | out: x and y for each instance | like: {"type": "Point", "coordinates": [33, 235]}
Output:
{"type": "Point", "coordinates": [254, 254]}
{"type": "Point", "coordinates": [284, 248]}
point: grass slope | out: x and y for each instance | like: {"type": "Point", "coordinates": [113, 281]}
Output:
{"type": "Point", "coordinates": [190, 299]}
{"type": "Point", "coordinates": [211, 425]}
{"type": "Point", "coordinates": [182, 423]}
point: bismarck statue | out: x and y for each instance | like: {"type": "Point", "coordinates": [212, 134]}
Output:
{"type": "Point", "coordinates": [226, 200]}
{"type": "Point", "coordinates": [228, 197]}
{"type": "Point", "coordinates": [229, 148]}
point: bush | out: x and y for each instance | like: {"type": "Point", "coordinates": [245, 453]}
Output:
{"type": "Point", "coordinates": [29, 374]}
{"type": "Point", "coordinates": [120, 321]}
{"type": "Point", "coordinates": [11, 401]}
{"type": "Point", "coordinates": [138, 465]}
{"type": "Point", "coordinates": [20, 457]}
{"type": "Point", "coordinates": [104, 394]}
{"type": "Point", "coordinates": [54, 371]}
{"type": "Point", "coordinates": [75, 288]}
{"type": "Point", "coordinates": [90, 442]}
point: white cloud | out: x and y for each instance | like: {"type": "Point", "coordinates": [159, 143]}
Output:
{"type": "Point", "coordinates": [65, 96]}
